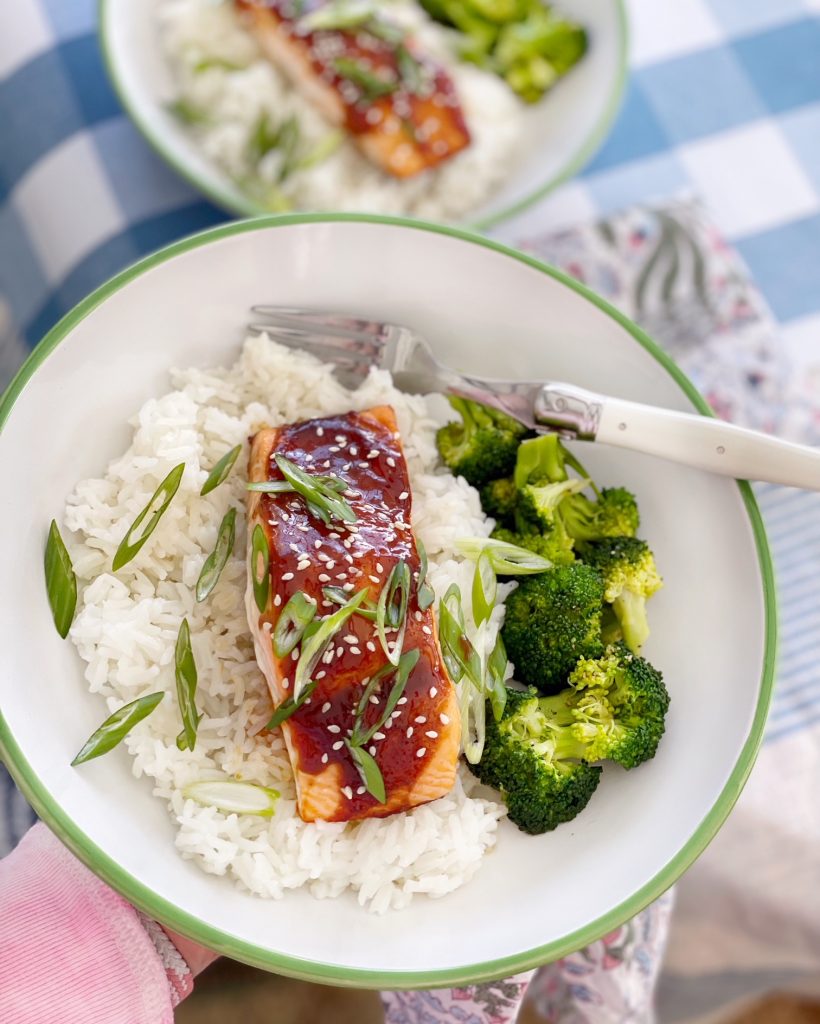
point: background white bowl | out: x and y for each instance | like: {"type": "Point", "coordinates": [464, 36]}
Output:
{"type": "Point", "coordinates": [564, 130]}
{"type": "Point", "coordinates": [493, 311]}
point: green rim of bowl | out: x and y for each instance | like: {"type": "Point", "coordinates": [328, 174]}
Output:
{"type": "Point", "coordinates": [236, 203]}
{"type": "Point", "coordinates": [186, 924]}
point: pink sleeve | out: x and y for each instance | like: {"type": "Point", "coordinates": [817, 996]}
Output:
{"type": "Point", "coordinates": [73, 950]}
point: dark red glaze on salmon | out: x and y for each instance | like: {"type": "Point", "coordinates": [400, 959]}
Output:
{"type": "Point", "coordinates": [410, 129]}
{"type": "Point", "coordinates": [418, 752]}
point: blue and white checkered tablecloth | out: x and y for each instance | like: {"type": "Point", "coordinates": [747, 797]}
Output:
{"type": "Point", "coordinates": [723, 102]}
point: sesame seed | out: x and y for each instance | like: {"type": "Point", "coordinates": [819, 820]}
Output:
{"type": "Point", "coordinates": [370, 645]}
{"type": "Point", "coordinates": [395, 714]}
{"type": "Point", "coordinates": [287, 576]}
{"type": "Point", "coordinates": [374, 699]}
{"type": "Point", "coordinates": [433, 691]}
{"type": "Point", "coordinates": [294, 654]}
{"type": "Point", "coordinates": [340, 652]}
{"type": "Point", "coordinates": [346, 467]}
{"type": "Point", "coordinates": [373, 454]}
{"type": "Point", "coordinates": [402, 700]}
{"type": "Point", "coordinates": [320, 431]}
{"type": "Point", "coordinates": [321, 675]}
{"type": "Point", "coordinates": [362, 465]}
{"type": "Point", "coordinates": [308, 457]}
{"type": "Point", "coordinates": [379, 567]}
{"type": "Point", "coordinates": [360, 791]}
{"type": "Point", "coordinates": [347, 586]}
{"type": "Point", "coordinates": [317, 544]}
{"type": "Point", "coordinates": [420, 719]}
{"type": "Point", "coordinates": [333, 448]}
{"type": "Point", "coordinates": [427, 630]}
{"type": "Point", "coordinates": [326, 465]}
{"type": "Point", "coordinates": [444, 719]}
{"type": "Point", "coordinates": [409, 731]}
{"type": "Point", "coordinates": [327, 604]}
{"type": "Point", "coordinates": [294, 547]}
{"type": "Point", "coordinates": [348, 792]}
{"type": "Point", "coordinates": [325, 759]}
{"type": "Point", "coordinates": [419, 616]}
{"type": "Point", "coordinates": [334, 728]}
{"type": "Point", "coordinates": [277, 600]}
{"type": "Point", "coordinates": [324, 578]}
{"type": "Point", "coordinates": [421, 751]}
{"type": "Point", "coordinates": [403, 495]}
{"type": "Point", "coordinates": [303, 528]}
{"type": "Point", "coordinates": [355, 650]}
{"type": "Point", "coordinates": [391, 461]}
{"type": "Point", "coordinates": [350, 638]}
{"type": "Point", "coordinates": [304, 564]}
{"type": "Point", "coordinates": [327, 657]}
{"type": "Point", "coordinates": [326, 707]}
{"type": "Point", "coordinates": [374, 579]}
{"type": "Point", "coordinates": [431, 733]}
{"type": "Point", "coordinates": [338, 745]}
{"type": "Point", "coordinates": [330, 563]}
{"type": "Point", "coordinates": [378, 735]}
{"type": "Point", "coordinates": [354, 450]}
{"type": "Point", "coordinates": [285, 683]}
{"type": "Point", "coordinates": [340, 439]}
{"type": "Point", "coordinates": [371, 750]}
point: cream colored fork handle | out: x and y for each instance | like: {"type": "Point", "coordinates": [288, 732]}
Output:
{"type": "Point", "coordinates": [707, 443]}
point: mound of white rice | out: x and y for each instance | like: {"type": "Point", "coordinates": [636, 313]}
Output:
{"type": "Point", "coordinates": [224, 80]}
{"type": "Point", "coordinates": [127, 625]}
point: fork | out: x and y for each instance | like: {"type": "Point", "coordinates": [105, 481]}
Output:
{"type": "Point", "coordinates": [354, 345]}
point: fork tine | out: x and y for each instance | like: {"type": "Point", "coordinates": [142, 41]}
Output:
{"type": "Point", "coordinates": [325, 347]}
{"type": "Point", "coordinates": [322, 322]}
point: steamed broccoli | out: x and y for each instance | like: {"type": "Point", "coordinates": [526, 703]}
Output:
{"type": "Point", "coordinates": [555, 545]}
{"type": "Point", "coordinates": [522, 758]}
{"type": "Point", "coordinates": [614, 514]}
{"type": "Point", "coordinates": [542, 504]}
{"type": "Point", "coordinates": [483, 445]}
{"type": "Point", "coordinates": [613, 709]}
{"type": "Point", "coordinates": [498, 498]}
{"type": "Point", "coordinates": [630, 578]}
{"type": "Point", "coordinates": [552, 620]}
{"type": "Point", "coordinates": [540, 460]}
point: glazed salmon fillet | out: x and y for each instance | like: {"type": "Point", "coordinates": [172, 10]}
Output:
{"type": "Point", "coordinates": [400, 107]}
{"type": "Point", "coordinates": [417, 749]}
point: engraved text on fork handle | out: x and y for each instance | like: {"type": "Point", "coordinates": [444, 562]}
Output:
{"type": "Point", "coordinates": [569, 411]}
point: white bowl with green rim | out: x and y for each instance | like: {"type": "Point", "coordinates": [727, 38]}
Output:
{"type": "Point", "coordinates": [563, 131]}
{"type": "Point", "coordinates": [484, 308]}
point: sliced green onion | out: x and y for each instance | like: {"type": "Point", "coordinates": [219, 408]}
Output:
{"type": "Point", "coordinates": [496, 674]}
{"type": "Point", "coordinates": [460, 657]}
{"type": "Point", "coordinates": [473, 722]}
{"type": "Point", "coordinates": [290, 706]}
{"type": "Point", "coordinates": [391, 610]}
{"type": "Point", "coordinates": [410, 69]}
{"type": "Point", "coordinates": [323, 150]}
{"type": "Point", "coordinates": [338, 595]}
{"type": "Point", "coordinates": [294, 618]}
{"type": "Point", "coordinates": [506, 559]}
{"type": "Point", "coordinates": [260, 566]}
{"type": "Point", "coordinates": [407, 663]}
{"type": "Point", "coordinates": [61, 583]}
{"type": "Point", "coordinates": [322, 498]}
{"type": "Point", "coordinates": [369, 772]}
{"type": "Point", "coordinates": [221, 470]}
{"type": "Point", "coordinates": [156, 507]}
{"type": "Point", "coordinates": [116, 727]}
{"type": "Point", "coordinates": [423, 562]}
{"type": "Point", "coordinates": [373, 86]}
{"type": "Point", "coordinates": [283, 487]}
{"type": "Point", "coordinates": [233, 797]}
{"type": "Point", "coordinates": [186, 679]}
{"type": "Point", "coordinates": [339, 15]}
{"type": "Point", "coordinates": [313, 649]}
{"type": "Point", "coordinates": [485, 589]}
{"type": "Point", "coordinates": [218, 558]}
{"type": "Point", "coordinates": [426, 596]}
{"type": "Point", "coordinates": [216, 62]}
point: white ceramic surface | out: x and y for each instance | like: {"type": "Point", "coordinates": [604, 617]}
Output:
{"type": "Point", "coordinates": [564, 129]}
{"type": "Point", "coordinates": [485, 310]}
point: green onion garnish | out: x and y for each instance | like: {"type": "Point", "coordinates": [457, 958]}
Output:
{"type": "Point", "coordinates": [61, 583]}
{"type": "Point", "coordinates": [323, 498]}
{"type": "Point", "coordinates": [218, 558]}
{"type": "Point", "coordinates": [496, 672]}
{"type": "Point", "coordinates": [233, 797]}
{"type": "Point", "coordinates": [473, 715]}
{"type": "Point", "coordinates": [313, 648]}
{"type": "Point", "coordinates": [338, 595]}
{"type": "Point", "coordinates": [373, 86]}
{"type": "Point", "coordinates": [391, 610]}
{"type": "Point", "coordinates": [221, 470]}
{"type": "Point", "coordinates": [294, 618]}
{"type": "Point", "coordinates": [505, 559]}
{"type": "Point", "coordinates": [339, 15]}
{"type": "Point", "coordinates": [260, 564]}
{"type": "Point", "coordinates": [116, 727]}
{"type": "Point", "coordinates": [161, 499]}
{"type": "Point", "coordinates": [186, 679]}
{"type": "Point", "coordinates": [369, 772]}
{"type": "Point", "coordinates": [290, 706]}
{"type": "Point", "coordinates": [460, 657]}
{"type": "Point", "coordinates": [485, 589]}
{"type": "Point", "coordinates": [407, 663]}
{"type": "Point", "coordinates": [426, 594]}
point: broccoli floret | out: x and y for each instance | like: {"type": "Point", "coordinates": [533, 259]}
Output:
{"type": "Point", "coordinates": [630, 579]}
{"type": "Point", "coordinates": [552, 620]}
{"type": "Point", "coordinates": [613, 710]}
{"type": "Point", "coordinates": [540, 460]}
{"type": "Point", "coordinates": [483, 445]}
{"type": "Point", "coordinates": [522, 759]}
{"type": "Point", "coordinates": [555, 545]}
{"type": "Point", "coordinates": [614, 514]}
{"type": "Point", "coordinates": [498, 498]}
{"type": "Point", "coordinates": [541, 504]}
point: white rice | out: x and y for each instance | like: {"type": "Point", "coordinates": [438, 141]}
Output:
{"type": "Point", "coordinates": [200, 32]}
{"type": "Point", "coordinates": [127, 625]}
